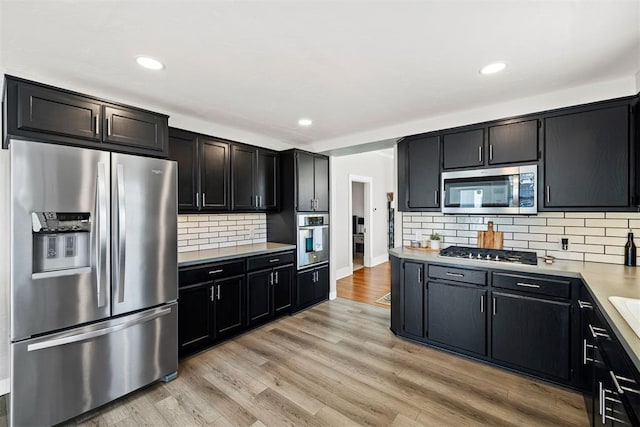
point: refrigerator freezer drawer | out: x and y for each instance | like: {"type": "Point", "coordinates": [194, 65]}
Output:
{"type": "Point", "coordinates": [59, 376]}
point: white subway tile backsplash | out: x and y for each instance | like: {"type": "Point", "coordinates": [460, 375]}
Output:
{"type": "Point", "coordinates": [200, 232]}
{"type": "Point", "coordinates": [593, 236]}
{"type": "Point", "coordinates": [584, 214]}
{"type": "Point", "coordinates": [609, 223]}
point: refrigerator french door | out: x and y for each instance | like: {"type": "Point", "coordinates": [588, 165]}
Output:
{"type": "Point", "coordinates": [94, 278]}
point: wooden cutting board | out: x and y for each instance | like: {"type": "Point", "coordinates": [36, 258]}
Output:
{"type": "Point", "coordinates": [490, 239]}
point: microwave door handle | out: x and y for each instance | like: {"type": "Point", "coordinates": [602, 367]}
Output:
{"type": "Point", "coordinates": [516, 191]}
{"type": "Point", "coordinates": [101, 238]}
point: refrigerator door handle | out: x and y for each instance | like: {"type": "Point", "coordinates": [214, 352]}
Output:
{"type": "Point", "coordinates": [122, 236]}
{"type": "Point", "coordinates": [56, 342]}
{"type": "Point", "coordinates": [101, 250]}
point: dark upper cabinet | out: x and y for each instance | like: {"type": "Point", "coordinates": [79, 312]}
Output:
{"type": "Point", "coordinates": [312, 182]}
{"type": "Point", "coordinates": [463, 149]}
{"type": "Point", "coordinates": [586, 159]}
{"type": "Point", "coordinates": [183, 148]}
{"type": "Point", "coordinates": [214, 174]}
{"type": "Point", "coordinates": [513, 142]}
{"type": "Point", "coordinates": [203, 171]}
{"type": "Point", "coordinates": [134, 128]}
{"type": "Point", "coordinates": [532, 333]}
{"type": "Point", "coordinates": [413, 298]}
{"type": "Point", "coordinates": [51, 111]}
{"type": "Point", "coordinates": [267, 179]}
{"type": "Point", "coordinates": [51, 114]}
{"type": "Point", "coordinates": [421, 175]}
{"type": "Point", "coordinates": [457, 316]}
{"type": "Point", "coordinates": [254, 178]}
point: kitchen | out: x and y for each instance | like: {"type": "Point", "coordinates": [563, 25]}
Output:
{"type": "Point", "coordinates": [248, 141]}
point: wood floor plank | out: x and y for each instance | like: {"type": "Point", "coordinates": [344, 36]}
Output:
{"type": "Point", "coordinates": [337, 364]}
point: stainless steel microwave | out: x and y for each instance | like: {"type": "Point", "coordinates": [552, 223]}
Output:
{"type": "Point", "coordinates": [510, 190]}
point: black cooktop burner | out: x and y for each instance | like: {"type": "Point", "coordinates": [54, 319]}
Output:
{"type": "Point", "coordinates": [519, 257]}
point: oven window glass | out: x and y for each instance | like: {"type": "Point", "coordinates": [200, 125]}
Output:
{"type": "Point", "coordinates": [308, 243]}
{"type": "Point", "coordinates": [479, 192]}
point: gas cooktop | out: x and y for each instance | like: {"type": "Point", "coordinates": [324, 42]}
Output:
{"type": "Point", "coordinates": [518, 257]}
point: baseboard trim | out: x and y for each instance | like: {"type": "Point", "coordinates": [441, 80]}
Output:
{"type": "Point", "coordinates": [343, 272]}
{"type": "Point", "coordinates": [381, 259]}
{"type": "Point", "coordinates": [333, 295]}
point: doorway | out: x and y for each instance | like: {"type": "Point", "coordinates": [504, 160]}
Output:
{"type": "Point", "coordinates": [360, 221]}
{"type": "Point", "coordinates": [357, 224]}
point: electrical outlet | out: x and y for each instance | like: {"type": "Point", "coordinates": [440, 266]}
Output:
{"type": "Point", "coordinates": [565, 243]}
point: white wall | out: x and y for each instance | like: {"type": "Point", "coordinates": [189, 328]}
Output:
{"type": "Point", "coordinates": [379, 166]}
{"type": "Point", "coordinates": [357, 199]}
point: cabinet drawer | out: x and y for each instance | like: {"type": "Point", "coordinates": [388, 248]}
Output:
{"type": "Point", "coordinates": [270, 260]}
{"type": "Point", "coordinates": [477, 277]}
{"type": "Point", "coordinates": [536, 285]}
{"type": "Point", "coordinates": [203, 273]}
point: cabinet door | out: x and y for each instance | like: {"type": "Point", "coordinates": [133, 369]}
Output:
{"type": "Point", "coordinates": [282, 289]}
{"type": "Point", "coordinates": [321, 183]}
{"type": "Point", "coordinates": [513, 142]}
{"type": "Point", "coordinates": [259, 295]}
{"type": "Point", "coordinates": [532, 333]}
{"type": "Point", "coordinates": [214, 174]}
{"type": "Point", "coordinates": [305, 287]}
{"type": "Point", "coordinates": [195, 315]}
{"type": "Point", "coordinates": [424, 173]}
{"type": "Point", "coordinates": [457, 316]}
{"type": "Point", "coordinates": [321, 289]}
{"type": "Point", "coordinates": [587, 159]}
{"type": "Point", "coordinates": [463, 149]}
{"type": "Point", "coordinates": [267, 179]}
{"type": "Point", "coordinates": [228, 305]}
{"type": "Point", "coordinates": [51, 111]}
{"type": "Point", "coordinates": [135, 128]}
{"type": "Point", "coordinates": [183, 148]}
{"type": "Point", "coordinates": [243, 174]}
{"type": "Point", "coordinates": [412, 299]}
{"type": "Point", "coordinates": [305, 179]}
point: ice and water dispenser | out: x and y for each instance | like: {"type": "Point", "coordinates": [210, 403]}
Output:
{"type": "Point", "coordinates": [61, 241]}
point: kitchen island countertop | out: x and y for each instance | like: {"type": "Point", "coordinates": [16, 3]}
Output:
{"type": "Point", "coordinates": [602, 281]}
{"type": "Point", "coordinates": [222, 254]}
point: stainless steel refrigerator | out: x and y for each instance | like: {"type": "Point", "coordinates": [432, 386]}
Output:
{"type": "Point", "coordinates": [93, 278]}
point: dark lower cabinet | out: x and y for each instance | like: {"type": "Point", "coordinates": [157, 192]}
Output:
{"type": "Point", "coordinates": [195, 319]}
{"type": "Point", "coordinates": [413, 295]}
{"type": "Point", "coordinates": [208, 311]}
{"type": "Point", "coordinates": [269, 293]}
{"type": "Point", "coordinates": [457, 316]}
{"type": "Point", "coordinates": [229, 301]}
{"type": "Point", "coordinates": [533, 334]}
{"type": "Point", "coordinates": [312, 286]}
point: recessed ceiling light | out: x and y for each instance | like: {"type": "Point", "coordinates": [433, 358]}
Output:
{"type": "Point", "coordinates": [492, 68]}
{"type": "Point", "coordinates": [305, 122]}
{"type": "Point", "coordinates": [150, 63]}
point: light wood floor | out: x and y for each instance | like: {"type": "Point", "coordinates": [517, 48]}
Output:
{"type": "Point", "coordinates": [366, 285]}
{"type": "Point", "coordinates": [337, 364]}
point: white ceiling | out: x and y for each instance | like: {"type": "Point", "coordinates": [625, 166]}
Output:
{"type": "Point", "coordinates": [351, 66]}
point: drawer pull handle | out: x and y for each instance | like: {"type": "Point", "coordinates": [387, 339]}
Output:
{"type": "Point", "coordinates": [528, 285]}
{"type": "Point", "coordinates": [216, 271]}
{"type": "Point", "coordinates": [615, 382]}
{"type": "Point", "coordinates": [584, 304]}
{"type": "Point", "coordinates": [454, 274]}
{"type": "Point", "coordinates": [274, 260]}
{"type": "Point", "coordinates": [598, 332]}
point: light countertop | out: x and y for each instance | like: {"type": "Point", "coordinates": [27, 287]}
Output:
{"type": "Point", "coordinates": [223, 254]}
{"type": "Point", "coordinates": [602, 281]}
